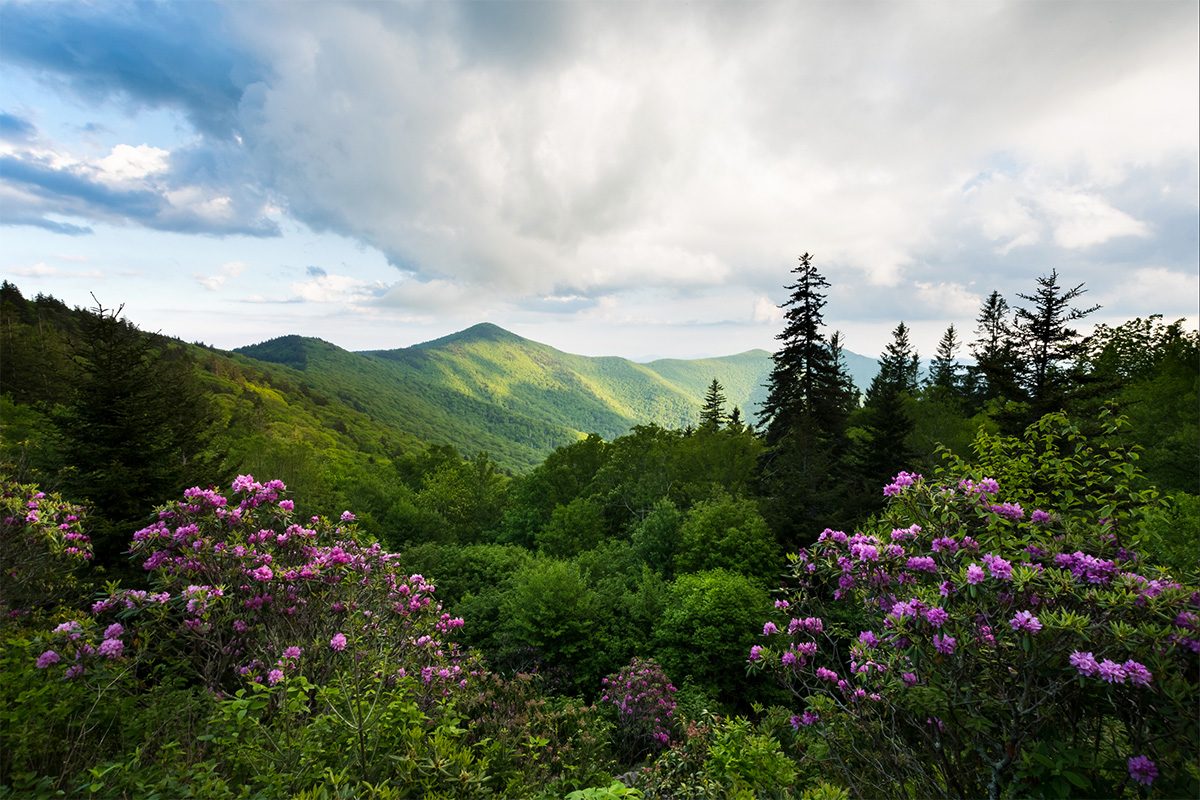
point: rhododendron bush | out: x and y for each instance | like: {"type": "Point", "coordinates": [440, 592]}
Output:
{"type": "Point", "coordinates": [276, 635]}
{"type": "Point", "coordinates": [997, 649]}
{"type": "Point", "coordinates": [248, 593]}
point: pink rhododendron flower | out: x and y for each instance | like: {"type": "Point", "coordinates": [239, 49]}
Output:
{"type": "Point", "coordinates": [113, 631]}
{"type": "Point", "coordinates": [1111, 671]}
{"type": "Point", "coordinates": [274, 676]}
{"type": "Point", "coordinates": [111, 648]}
{"type": "Point", "coordinates": [974, 574]}
{"type": "Point", "coordinates": [338, 642]}
{"type": "Point", "coordinates": [47, 658]}
{"type": "Point", "coordinates": [1085, 663]}
{"type": "Point", "coordinates": [1025, 621]}
{"type": "Point", "coordinates": [1137, 673]}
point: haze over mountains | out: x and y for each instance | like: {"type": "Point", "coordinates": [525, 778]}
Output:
{"type": "Point", "coordinates": [486, 388]}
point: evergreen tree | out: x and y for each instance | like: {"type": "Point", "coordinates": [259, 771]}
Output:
{"type": "Point", "coordinates": [899, 367]}
{"type": "Point", "coordinates": [808, 402]}
{"type": "Point", "coordinates": [712, 415]}
{"type": "Point", "coordinates": [997, 358]}
{"type": "Point", "coordinates": [137, 429]}
{"type": "Point", "coordinates": [888, 419]}
{"type": "Point", "coordinates": [945, 380]}
{"type": "Point", "coordinates": [1048, 345]}
{"type": "Point", "coordinates": [802, 368]}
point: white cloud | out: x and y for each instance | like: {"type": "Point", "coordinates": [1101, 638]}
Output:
{"type": "Point", "coordinates": [231, 269]}
{"type": "Point", "coordinates": [1083, 219]}
{"type": "Point", "coordinates": [947, 300]}
{"type": "Point", "coordinates": [132, 164]}
{"type": "Point", "coordinates": [337, 289]}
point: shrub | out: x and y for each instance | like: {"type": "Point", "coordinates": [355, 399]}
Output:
{"type": "Point", "coordinates": [1006, 649]}
{"type": "Point", "coordinates": [644, 702]}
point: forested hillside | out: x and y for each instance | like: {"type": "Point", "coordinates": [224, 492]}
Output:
{"type": "Point", "coordinates": [981, 581]}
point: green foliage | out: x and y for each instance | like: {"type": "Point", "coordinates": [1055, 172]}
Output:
{"type": "Point", "coordinates": [614, 791]}
{"type": "Point", "coordinates": [719, 759]}
{"type": "Point", "coordinates": [573, 528]}
{"type": "Point", "coordinates": [728, 533]}
{"type": "Point", "coordinates": [548, 617]}
{"type": "Point", "coordinates": [534, 742]}
{"type": "Point", "coordinates": [655, 539]}
{"type": "Point", "coordinates": [1170, 535]}
{"type": "Point", "coordinates": [707, 628]}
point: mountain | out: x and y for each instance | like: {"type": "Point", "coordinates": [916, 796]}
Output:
{"type": "Point", "coordinates": [486, 388]}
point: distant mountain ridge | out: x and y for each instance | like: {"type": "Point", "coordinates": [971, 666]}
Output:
{"type": "Point", "coordinates": [486, 388]}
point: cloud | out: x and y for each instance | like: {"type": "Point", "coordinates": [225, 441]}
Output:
{"type": "Point", "coordinates": [15, 129]}
{"type": "Point", "coordinates": [512, 155]}
{"type": "Point", "coordinates": [65, 228]}
{"type": "Point", "coordinates": [337, 289]}
{"type": "Point", "coordinates": [229, 270]}
{"type": "Point", "coordinates": [142, 185]}
{"type": "Point", "coordinates": [144, 54]}
{"type": "Point", "coordinates": [315, 272]}
{"type": "Point", "coordinates": [42, 270]}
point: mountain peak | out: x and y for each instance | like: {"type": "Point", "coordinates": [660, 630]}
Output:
{"type": "Point", "coordinates": [482, 332]}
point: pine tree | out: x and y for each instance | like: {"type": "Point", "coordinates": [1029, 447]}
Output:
{"type": "Point", "coordinates": [712, 415]}
{"type": "Point", "coordinates": [888, 421]}
{"type": "Point", "coordinates": [899, 366]}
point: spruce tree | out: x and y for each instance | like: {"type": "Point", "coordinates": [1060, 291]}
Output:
{"type": "Point", "coordinates": [136, 431]}
{"type": "Point", "coordinates": [997, 357]}
{"type": "Point", "coordinates": [808, 400]}
{"type": "Point", "coordinates": [1048, 345]}
{"type": "Point", "coordinates": [712, 415]}
{"type": "Point", "coordinates": [888, 419]}
{"type": "Point", "coordinates": [802, 365]}
{"type": "Point", "coordinates": [945, 379]}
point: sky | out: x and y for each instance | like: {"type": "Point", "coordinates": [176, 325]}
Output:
{"type": "Point", "coordinates": [609, 178]}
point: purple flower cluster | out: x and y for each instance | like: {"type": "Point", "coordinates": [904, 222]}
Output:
{"type": "Point", "coordinates": [900, 482]}
{"type": "Point", "coordinates": [1025, 621]}
{"type": "Point", "coordinates": [1110, 671]}
{"type": "Point", "coordinates": [645, 704]}
{"type": "Point", "coordinates": [983, 489]}
{"type": "Point", "coordinates": [1000, 569]}
{"type": "Point", "coordinates": [808, 718]}
{"type": "Point", "coordinates": [1011, 511]}
{"type": "Point", "coordinates": [1089, 568]}
{"type": "Point", "coordinates": [1142, 770]}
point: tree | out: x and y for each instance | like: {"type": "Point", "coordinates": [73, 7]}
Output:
{"type": "Point", "coordinates": [712, 415]}
{"type": "Point", "coordinates": [808, 402]}
{"type": "Point", "coordinates": [997, 360]}
{"type": "Point", "coordinates": [899, 366]}
{"type": "Point", "coordinates": [728, 533]}
{"type": "Point", "coordinates": [802, 368]}
{"type": "Point", "coordinates": [138, 428]}
{"type": "Point", "coordinates": [1047, 343]}
{"type": "Point", "coordinates": [944, 373]}
{"type": "Point", "coordinates": [888, 422]}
